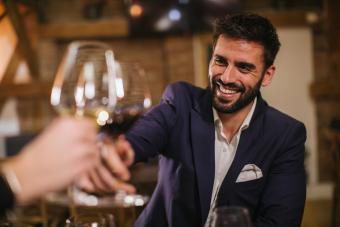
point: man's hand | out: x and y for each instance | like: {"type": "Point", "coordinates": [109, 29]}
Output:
{"type": "Point", "coordinates": [112, 172]}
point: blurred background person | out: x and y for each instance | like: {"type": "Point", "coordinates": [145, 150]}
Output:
{"type": "Point", "coordinates": [64, 151]}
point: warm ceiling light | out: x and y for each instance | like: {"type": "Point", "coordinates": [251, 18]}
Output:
{"type": "Point", "coordinates": [136, 10]}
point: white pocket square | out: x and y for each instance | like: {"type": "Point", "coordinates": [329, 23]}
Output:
{"type": "Point", "coordinates": [248, 173]}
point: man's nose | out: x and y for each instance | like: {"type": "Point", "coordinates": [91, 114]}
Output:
{"type": "Point", "coordinates": [228, 75]}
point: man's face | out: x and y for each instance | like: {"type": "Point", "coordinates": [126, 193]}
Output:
{"type": "Point", "coordinates": [236, 73]}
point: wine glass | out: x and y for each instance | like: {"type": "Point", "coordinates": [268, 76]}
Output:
{"type": "Point", "coordinates": [133, 98]}
{"type": "Point", "coordinates": [230, 216]}
{"type": "Point", "coordinates": [91, 83]}
{"type": "Point", "coordinates": [85, 82]}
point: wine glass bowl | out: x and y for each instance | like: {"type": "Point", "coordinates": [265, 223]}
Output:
{"type": "Point", "coordinates": [84, 81]}
{"type": "Point", "coordinates": [230, 216]}
{"type": "Point", "coordinates": [133, 98]}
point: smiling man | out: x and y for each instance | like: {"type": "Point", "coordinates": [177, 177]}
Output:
{"type": "Point", "coordinates": [224, 145]}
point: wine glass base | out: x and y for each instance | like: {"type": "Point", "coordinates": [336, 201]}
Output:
{"type": "Point", "coordinates": [81, 198]}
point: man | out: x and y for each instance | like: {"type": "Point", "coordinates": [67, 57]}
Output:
{"type": "Point", "coordinates": [224, 146]}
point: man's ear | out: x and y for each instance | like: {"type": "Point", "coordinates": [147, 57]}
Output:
{"type": "Point", "coordinates": [268, 76]}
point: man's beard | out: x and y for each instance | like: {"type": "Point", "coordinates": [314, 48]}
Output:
{"type": "Point", "coordinates": [246, 97]}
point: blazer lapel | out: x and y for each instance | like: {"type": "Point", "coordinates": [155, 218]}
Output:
{"type": "Point", "coordinates": [203, 142]}
{"type": "Point", "coordinates": [247, 141]}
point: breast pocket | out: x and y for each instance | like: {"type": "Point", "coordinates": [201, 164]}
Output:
{"type": "Point", "coordinates": [251, 185]}
{"type": "Point", "coordinates": [248, 193]}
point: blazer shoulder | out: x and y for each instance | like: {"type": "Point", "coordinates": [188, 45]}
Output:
{"type": "Point", "coordinates": [282, 121]}
{"type": "Point", "coordinates": [181, 91]}
{"type": "Point", "coordinates": [276, 114]}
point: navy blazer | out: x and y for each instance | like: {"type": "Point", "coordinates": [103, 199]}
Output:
{"type": "Point", "coordinates": [181, 130]}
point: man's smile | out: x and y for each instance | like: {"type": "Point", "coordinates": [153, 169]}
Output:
{"type": "Point", "coordinates": [226, 92]}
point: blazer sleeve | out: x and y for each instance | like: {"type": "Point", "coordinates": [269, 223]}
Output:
{"type": "Point", "coordinates": [149, 136]}
{"type": "Point", "coordinates": [283, 200]}
{"type": "Point", "coordinates": [6, 196]}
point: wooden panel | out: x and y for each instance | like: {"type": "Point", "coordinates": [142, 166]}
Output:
{"type": "Point", "coordinates": [78, 10]}
{"type": "Point", "coordinates": [202, 44]}
{"type": "Point", "coordinates": [150, 54]}
{"type": "Point", "coordinates": [291, 18]}
{"type": "Point", "coordinates": [179, 53]}
{"type": "Point", "coordinates": [115, 27]}
{"type": "Point", "coordinates": [332, 22]}
{"type": "Point", "coordinates": [326, 89]}
{"type": "Point", "coordinates": [34, 113]}
{"type": "Point", "coordinates": [317, 213]}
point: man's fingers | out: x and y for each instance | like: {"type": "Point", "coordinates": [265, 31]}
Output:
{"type": "Point", "coordinates": [114, 162]}
{"type": "Point", "coordinates": [109, 174]}
{"type": "Point", "coordinates": [101, 180]}
{"type": "Point", "coordinates": [125, 150]}
{"type": "Point", "coordinates": [113, 183]}
{"type": "Point", "coordinates": [85, 183]}
{"type": "Point", "coordinates": [107, 179]}
{"type": "Point", "coordinates": [130, 189]}
{"type": "Point", "coordinates": [97, 182]}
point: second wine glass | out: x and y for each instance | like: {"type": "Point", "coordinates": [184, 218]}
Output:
{"type": "Point", "coordinates": [133, 98]}
{"type": "Point", "coordinates": [230, 216]}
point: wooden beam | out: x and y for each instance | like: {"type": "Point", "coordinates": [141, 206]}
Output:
{"type": "Point", "coordinates": [332, 22]}
{"type": "Point", "coordinates": [2, 11]}
{"type": "Point", "coordinates": [24, 41]}
{"type": "Point", "coordinates": [114, 27]}
{"type": "Point", "coordinates": [12, 67]}
{"type": "Point", "coordinates": [25, 90]}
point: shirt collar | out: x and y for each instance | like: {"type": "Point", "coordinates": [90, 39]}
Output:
{"type": "Point", "coordinates": [246, 121]}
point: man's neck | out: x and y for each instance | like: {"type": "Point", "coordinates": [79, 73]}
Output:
{"type": "Point", "coordinates": [232, 122]}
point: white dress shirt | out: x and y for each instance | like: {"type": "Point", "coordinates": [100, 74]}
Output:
{"type": "Point", "coordinates": [224, 154]}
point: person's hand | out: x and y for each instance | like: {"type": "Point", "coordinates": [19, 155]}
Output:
{"type": "Point", "coordinates": [111, 174]}
{"type": "Point", "coordinates": [63, 152]}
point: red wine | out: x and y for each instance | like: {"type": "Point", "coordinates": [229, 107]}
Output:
{"type": "Point", "coordinates": [120, 123]}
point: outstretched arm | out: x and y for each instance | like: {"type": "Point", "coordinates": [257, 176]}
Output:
{"type": "Point", "coordinates": [64, 151]}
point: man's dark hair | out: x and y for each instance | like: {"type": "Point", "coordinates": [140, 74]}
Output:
{"type": "Point", "coordinates": [250, 27]}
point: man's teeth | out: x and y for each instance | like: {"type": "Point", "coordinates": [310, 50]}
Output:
{"type": "Point", "coordinates": [227, 91]}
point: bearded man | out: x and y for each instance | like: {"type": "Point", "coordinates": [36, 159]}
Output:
{"type": "Point", "coordinates": [224, 145]}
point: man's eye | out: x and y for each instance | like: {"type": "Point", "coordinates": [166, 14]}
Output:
{"type": "Point", "coordinates": [244, 69]}
{"type": "Point", "coordinates": [219, 61]}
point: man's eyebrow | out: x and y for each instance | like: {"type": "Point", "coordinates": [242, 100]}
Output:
{"type": "Point", "coordinates": [220, 57]}
{"type": "Point", "coordinates": [247, 65]}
